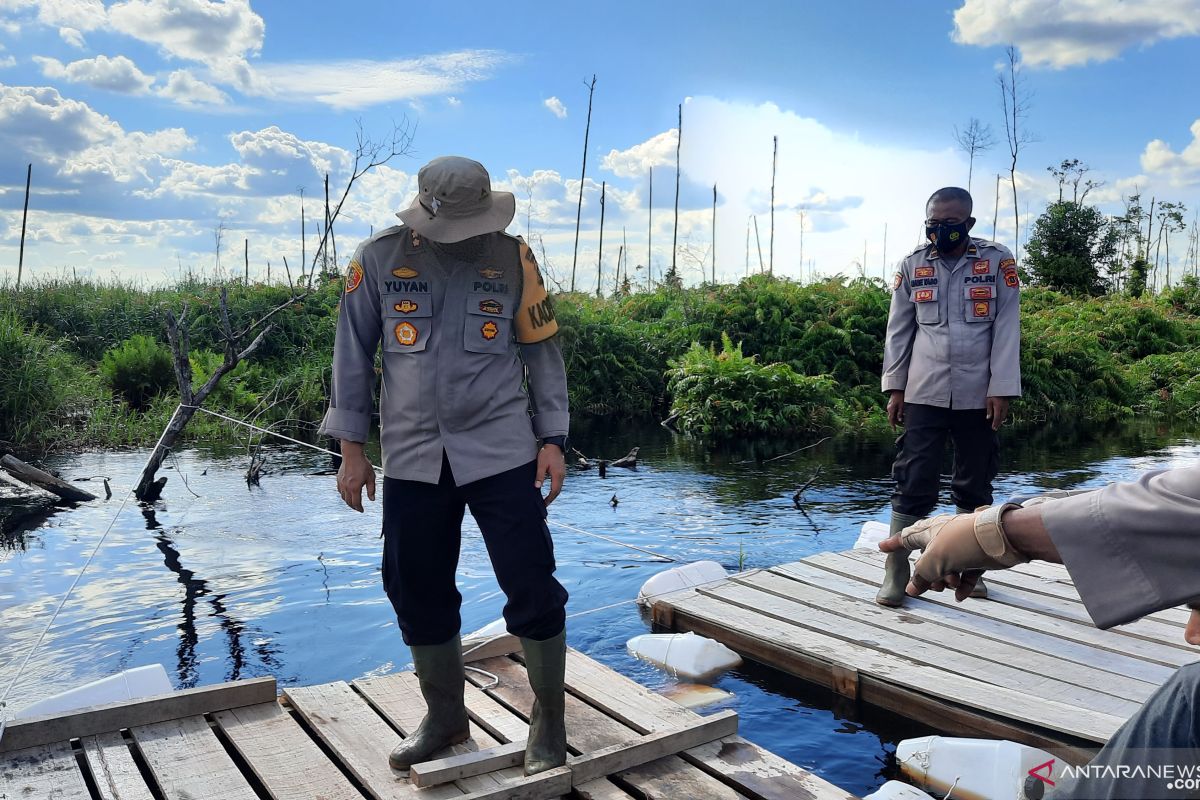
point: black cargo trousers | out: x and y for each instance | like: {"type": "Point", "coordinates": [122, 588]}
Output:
{"type": "Point", "coordinates": [421, 538]}
{"type": "Point", "coordinates": [917, 469]}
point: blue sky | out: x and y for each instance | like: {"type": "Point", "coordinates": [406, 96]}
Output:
{"type": "Point", "coordinates": [152, 123]}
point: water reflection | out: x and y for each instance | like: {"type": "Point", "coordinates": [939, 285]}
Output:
{"type": "Point", "coordinates": [187, 675]}
{"type": "Point", "coordinates": [286, 581]}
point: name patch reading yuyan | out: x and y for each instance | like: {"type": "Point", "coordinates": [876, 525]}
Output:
{"type": "Point", "coordinates": [491, 286]}
{"type": "Point", "coordinates": [406, 286]}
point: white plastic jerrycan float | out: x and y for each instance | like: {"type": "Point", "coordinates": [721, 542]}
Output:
{"type": "Point", "coordinates": [685, 655]}
{"type": "Point", "coordinates": [978, 769]}
{"type": "Point", "coordinates": [677, 579]}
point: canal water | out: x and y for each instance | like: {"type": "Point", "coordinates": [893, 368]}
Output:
{"type": "Point", "coordinates": [219, 581]}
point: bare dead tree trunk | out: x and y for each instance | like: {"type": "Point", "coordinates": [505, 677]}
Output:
{"type": "Point", "coordinates": [649, 233]}
{"type": "Point", "coordinates": [148, 488]}
{"type": "Point", "coordinates": [996, 208]}
{"type": "Point", "coordinates": [625, 250]}
{"type": "Point", "coordinates": [714, 235]}
{"type": "Point", "coordinates": [761, 267]}
{"type": "Point", "coordinates": [617, 273]}
{"type": "Point", "coordinates": [600, 257]}
{"type": "Point", "coordinates": [774, 161]}
{"type": "Point", "coordinates": [675, 233]}
{"type": "Point", "coordinates": [1150, 228]}
{"type": "Point", "coordinates": [303, 236]}
{"type": "Point", "coordinates": [582, 177]}
{"type": "Point", "coordinates": [24, 217]}
{"type": "Point", "coordinates": [1015, 99]}
{"type": "Point", "coordinates": [247, 257]}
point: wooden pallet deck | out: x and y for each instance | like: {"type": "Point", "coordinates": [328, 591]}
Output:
{"type": "Point", "coordinates": [1026, 664]}
{"type": "Point", "coordinates": [238, 741]}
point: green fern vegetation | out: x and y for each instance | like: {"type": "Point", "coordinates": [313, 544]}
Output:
{"type": "Point", "coordinates": [81, 363]}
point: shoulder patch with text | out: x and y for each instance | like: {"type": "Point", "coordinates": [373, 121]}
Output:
{"type": "Point", "coordinates": [535, 318]}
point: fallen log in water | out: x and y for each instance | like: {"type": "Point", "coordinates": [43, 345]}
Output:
{"type": "Point", "coordinates": [29, 474]}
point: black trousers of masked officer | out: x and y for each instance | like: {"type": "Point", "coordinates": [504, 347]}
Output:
{"type": "Point", "coordinates": [421, 537]}
{"type": "Point", "coordinates": [918, 466]}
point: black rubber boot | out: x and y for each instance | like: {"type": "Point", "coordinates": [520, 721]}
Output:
{"type": "Point", "coordinates": [896, 570]}
{"type": "Point", "coordinates": [546, 663]}
{"type": "Point", "coordinates": [980, 590]}
{"type": "Point", "coordinates": [440, 671]}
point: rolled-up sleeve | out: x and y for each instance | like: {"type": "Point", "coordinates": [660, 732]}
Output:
{"type": "Point", "coordinates": [351, 400]}
{"type": "Point", "coordinates": [1131, 548]}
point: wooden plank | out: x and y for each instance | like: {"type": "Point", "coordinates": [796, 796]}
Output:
{"type": "Point", "coordinates": [113, 769]}
{"type": "Point", "coordinates": [490, 647]}
{"type": "Point", "coordinates": [360, 739]}
{"type": "Point", "coordinates": [468, 764]}
{"type": "Point", "coordinates": [282, 755]}
{"type": "Point", "coordinates": [31, 474]}
{"type": "Point", "coordinates": [589, 729]}
{"type": "Point", "coordinates": [114, 716]}
{"type": "Point", "coordinates": [551, 783]}
{"type": "Point", "coordinates": [890, 668]}
{"type": "Point", "coordinates": [728, 624]}
{"type": "Point", "coordinates": [957, 618]}
{"type": "Point", "coordinates": [398, 698]}
{"type": "Point", "coordinates": [504, 725]}
{"type": "Point", "coordinates": [1149, 629]}
{"type": "Point", "coordinates": [28, 491]}
{"type": "Point", "coordinates": [652, 746]}
{"type": "Point", "coordinates": [188, 761]}
{"type": "Point", "coordinates": [46, 771]}
{"type": "Point", "coordinates": [965, 653]}
{"type": "Point", "coordinates": [734, 761]}
{"type": "Point", "coordinates": [1086, 633]}
{"type": "Point", "coordinates": [1057, 581]}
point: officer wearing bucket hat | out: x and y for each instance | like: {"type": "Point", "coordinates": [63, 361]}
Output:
{"type": "Point", "coordinates": [473, 414]}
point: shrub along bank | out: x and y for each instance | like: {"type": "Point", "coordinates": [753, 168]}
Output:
{"type": "Point", "coordinates": [86, 364]}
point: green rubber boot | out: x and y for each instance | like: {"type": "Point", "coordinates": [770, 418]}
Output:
{"type": "Point", "coordinates": [896, 570]}
{"type": "Point", "coordinates": [440, 671]}
{"type": "Point", "coordinates": [546, 663]}
{"type": "Point", "coordinates": [980, 590]}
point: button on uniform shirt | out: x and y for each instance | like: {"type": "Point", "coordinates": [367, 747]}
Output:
{"type": "Point", "coordinates": [460, 338]}
{"type": "Point", "coordinates": [954, 328]}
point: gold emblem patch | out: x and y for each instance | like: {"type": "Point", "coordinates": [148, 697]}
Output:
{"type": "Point", "coordinates": [406, 334]}
{"type": "Point", "coordinates": [405, 272]}
{"type": "Point", "coordinates": [406, 306]}
{"type": "Point", "coordinates": [924, 272]}
{"type": "Point", "coordinates": [354, 276]}
{"type": "Point", "coordinates": [491, 307]}
{"type": "Point", "coordinates": [491, 273]}
{"type": "Point", "coordinates": [490, 330]}
{"type": "Point", "coordinates": [981, 309]}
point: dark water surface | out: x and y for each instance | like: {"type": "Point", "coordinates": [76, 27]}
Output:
{"type": "Point", "coordinates": [283, 580]}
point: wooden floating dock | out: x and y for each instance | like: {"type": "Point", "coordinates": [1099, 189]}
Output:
{"type": "Point", "coordinates": [238, 741]}
{"type": "Point", "coordinates": [1026, 664]}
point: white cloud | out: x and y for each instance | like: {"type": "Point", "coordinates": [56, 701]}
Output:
{"type": "Point", "coordinates": [197, 30]}
{"type": "Point", "coordinates": [358, 84]}
{"type": "Point", "coordinates": [556, 107]}
{"type": "Point", "coordinates": [187, 90]}
{"type": "Point", "coordinates": [84, 15]}
{"type": "Point", "coordinates": [637, 160]}
{"type": "Point", "coordinates": [72, 36]}
{"type": "Point", "coordinates": [1182, 168]}
{"type": "Point", "coordinates": [7, 61]}
{"type": "Point", "coordinates": [1072, 32]}
{"type": "Point", "coordinates": [453, 102]}
{"type": "Point", "coordinates": [117, 74]}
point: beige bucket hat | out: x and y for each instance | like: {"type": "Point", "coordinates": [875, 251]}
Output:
{"type": "Point", "coordinates": [455, 201]}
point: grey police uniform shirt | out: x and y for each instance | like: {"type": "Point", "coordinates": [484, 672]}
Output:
{"type": "Point", "coordinates": [454, 374]}
{"type": "Point", "coordinates": [1131, 548]}
{"type": "Point", "coordinates": [954, 329]}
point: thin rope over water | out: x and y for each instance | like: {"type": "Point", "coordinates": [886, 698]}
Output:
{"type": "Point", "coordinates": [71, 588]}
{"type": "Point", "coordinates": [125, 501]}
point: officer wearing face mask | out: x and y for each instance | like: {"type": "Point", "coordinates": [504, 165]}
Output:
{"type": "Point", "coordinates": [951, 365]}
